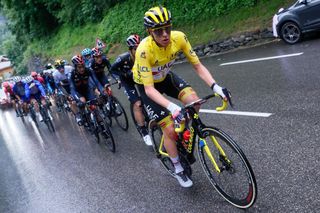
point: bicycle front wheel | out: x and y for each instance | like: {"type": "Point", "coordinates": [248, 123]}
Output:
{"type": "Point", "coordinates": [227, 168]}
{"type": "Point", "coordinates": [120, 114]}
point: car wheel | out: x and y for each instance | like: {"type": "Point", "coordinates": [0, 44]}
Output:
{"type": "Point", "coordinates": [291, 33]}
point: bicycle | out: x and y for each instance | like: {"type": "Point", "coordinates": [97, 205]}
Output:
{"type": "Point", "coordinates": [47, 119]}
{"type": "Point", "coordinates": [113, 108]}
{"type": "Point", "coordinates": [97, 123]}
{"type": "Point", "coordinates": [19, 111]}
{"type": "Point", "coordinates": [44, 111]}
{"type": "Point", "coordinates": [218, 159]}
{"type": "Point", "coordinates": [62, 102]}
{"type": "Point", "coordinates": [32, 114]}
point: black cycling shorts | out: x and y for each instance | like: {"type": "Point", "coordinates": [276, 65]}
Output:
{"type": "Point", "coordinates": [172, 85]}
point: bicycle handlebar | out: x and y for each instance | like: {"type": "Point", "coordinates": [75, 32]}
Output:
{"type": "Point", "coordinates": [204, 99]}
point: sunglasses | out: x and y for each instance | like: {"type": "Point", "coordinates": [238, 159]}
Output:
{"type": "Point", "coordinates": [159, 31]}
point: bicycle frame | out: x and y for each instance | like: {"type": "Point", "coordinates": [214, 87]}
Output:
{"type": "Point", "coordinates": [196, 129]}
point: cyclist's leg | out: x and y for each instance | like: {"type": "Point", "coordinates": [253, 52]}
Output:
{"type": "Point", "coordinates": [164, 120]}
{"type": "Point", "coordinates": [133, 96]}
{"type": "Point", "coordinates": [79, 109]}
{"type": "Point", "coordinates": [35, 103]}
{"type": "Point", "coordinates": [178, 88]}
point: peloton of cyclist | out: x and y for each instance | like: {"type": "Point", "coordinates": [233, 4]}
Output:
{"type": "Point", "coordinates": [122, 67]}
{"type": "Point", "coordinates": [83, 85]}
{"type": "Point", "coordinates": [152, 72]}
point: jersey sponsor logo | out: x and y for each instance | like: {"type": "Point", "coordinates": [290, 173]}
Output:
{"type": "Point", "coordinates": [161, 71]}
{"type": "Point", "coordinates": [142, 68]}
{"type": "Point", "coordinates": [164, 67]}
{"type": "Point", "coordinates": [143, 55]}
{"type": "Point", "coordinates": [192, 53]}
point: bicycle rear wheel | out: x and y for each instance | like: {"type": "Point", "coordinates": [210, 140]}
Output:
{"type": "Point", "coordinates": [33, 115]}
{"type": "Point", "coordinates": [236, 181]}
{"type": "Point", "coordinates": [108, 137]}
{"type": "Point", "coordinates": [120, 114]}
{"type": "Point", "coordinates": [104, 129]}
{"type": "Point", "coordinates": [45, 115]}
{"type": "Point", "coordinates": [156, 136]}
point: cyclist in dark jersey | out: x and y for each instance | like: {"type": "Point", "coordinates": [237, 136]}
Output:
{"type": "Point", "coordinates": [122, 68]}
{"type": "Point", "coordinates": [83, 85]}
{"type": "Point", "coordinates": [98, 64]}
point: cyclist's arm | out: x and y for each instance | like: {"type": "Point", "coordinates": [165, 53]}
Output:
{"type": "Point", "coordinates": [27, 91]}
{"type": "Point", "coordinates": [115, 68]}
{"type": "Point", "coordinates": [204, 74]}
{"type": "Point", "coordinates": [156, 96]}
{"type": "Point", "coordinates": [73, 91]}
{"type": "Point", "coordinates": [41, 88]}
{"type": "Point", "coordinates": [200, 69]}
{"type": "Point", "coordinates": [95, 80]}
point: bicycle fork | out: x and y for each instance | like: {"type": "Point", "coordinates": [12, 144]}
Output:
{"type": "Point", "coordinates": [203, 144]}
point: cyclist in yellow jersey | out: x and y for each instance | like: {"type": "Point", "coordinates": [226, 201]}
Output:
{"type": "Point", "coordinates": [152, 73]}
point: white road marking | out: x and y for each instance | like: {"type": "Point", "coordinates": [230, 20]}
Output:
{"type": "Point", "coordinates": [254, 114]}
{"type": "Point", "coordinates": [261, 59]}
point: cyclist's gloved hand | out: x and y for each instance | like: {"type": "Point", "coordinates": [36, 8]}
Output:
{"type": "Point", "coordinates": [223, 92]}
{"type": "Point", "coordinates": [175, 112]}
{"type": "Point", "coordinates": [227, 93]}
{"type": "Point", "coordinates": [217, 89]}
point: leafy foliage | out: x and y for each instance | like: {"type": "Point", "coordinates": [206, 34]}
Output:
{"type": "Point", "coordinates": [35, 23]}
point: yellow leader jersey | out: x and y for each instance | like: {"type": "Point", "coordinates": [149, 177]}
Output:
{"type": "Point", "coordinates": [152, 63]}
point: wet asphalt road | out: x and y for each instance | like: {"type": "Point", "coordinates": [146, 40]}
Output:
{"type": "Point", "coordinates": [69, 172]}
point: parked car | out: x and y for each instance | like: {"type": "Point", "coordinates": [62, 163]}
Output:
{"type": "Point", "coordinates": [290, 24]}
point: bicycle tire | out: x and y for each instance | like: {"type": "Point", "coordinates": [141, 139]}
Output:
{"type": "Point", "coordinates": [229, 169]}
{"type": "Point", "coordinates": [156, 135]}
{"type": "Point", "coordinates": [20, 112]}
{"type": "Point", "coordinates": [108, 138]}
{"type": "Point", "coordinates": [46, 119]}
{"type": "Point", "coordinates": [105, 131]}
{"type": "Point", "coordinates": [117, 105]}
{"type": "Point", "coordinates": [95, 127]}
{"type": "Point", "coordinates": [33, 116]}
{"type": "Point", "coordinates": [50, 123]}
